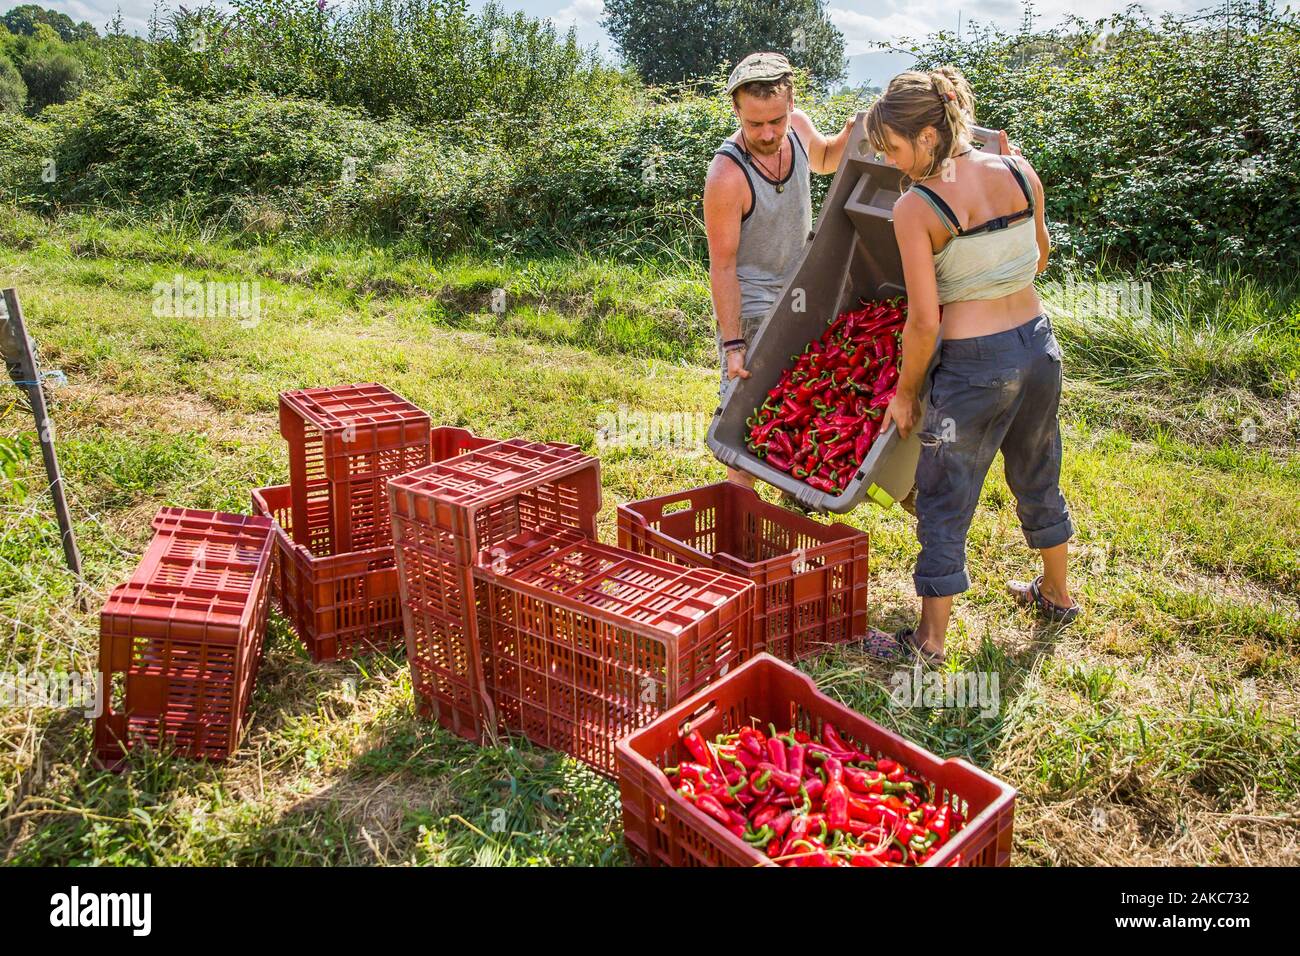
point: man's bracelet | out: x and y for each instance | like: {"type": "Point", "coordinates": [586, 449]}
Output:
{"type": "Point", "coordinates": [733, 343]}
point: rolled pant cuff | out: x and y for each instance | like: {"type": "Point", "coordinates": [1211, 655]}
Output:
{"type": "Point", "coordinates": [945, 586]}
{"type": "Point", "coordinates": [1058, 533]}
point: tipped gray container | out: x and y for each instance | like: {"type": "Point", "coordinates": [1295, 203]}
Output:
{"type": "Point", "coordinates": [852, 255]}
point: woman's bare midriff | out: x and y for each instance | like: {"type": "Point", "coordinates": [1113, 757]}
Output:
{"type": "Point", "coordinates": [967, 320]}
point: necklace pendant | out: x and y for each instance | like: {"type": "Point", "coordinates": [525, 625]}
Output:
{"type": "Point", "coordinates": [780, 187]}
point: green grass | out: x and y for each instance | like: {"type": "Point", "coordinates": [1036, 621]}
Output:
{"type": "Point", "coordinates": [1160, 728]}
{"type": "Point", "coordinates": [1191, 330]}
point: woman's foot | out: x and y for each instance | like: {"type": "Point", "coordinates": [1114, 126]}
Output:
{"type": "Point", "coordinates": [901, 645]}
{"type": "Point", "coordinates": [1033, 595]}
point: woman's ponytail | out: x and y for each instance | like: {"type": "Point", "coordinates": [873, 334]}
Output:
{"type": "Point", "coordinates": [941, 98]}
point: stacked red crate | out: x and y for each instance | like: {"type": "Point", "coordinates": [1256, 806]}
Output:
{"type": "Point", "coordinates": [587, 643]}
{"type": "Point", "coordinates": [454, 515]}
{"type": "Point", "coordinates": [342, 605]}
{"type": "Point", "coordinates": [336, 580]}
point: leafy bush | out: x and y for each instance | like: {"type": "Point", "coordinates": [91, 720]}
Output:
{"type": "Point", "coordinates": [1157, 142]}
{"type": "Point", "coordinates": [13, 91]}
{"type": "Point", "coordinates": [488, 128]}
{"type": "Point", "coordinates": [52, 77]}
{"type": "Point", "coordinates": [630, 166]}
{"type": "Point", "coordinates": [429, 60]}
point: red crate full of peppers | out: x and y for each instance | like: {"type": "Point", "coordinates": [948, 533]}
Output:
{"type": "Point", "coordinates": [762, 769]}
{"type": "Point", "coordinates": [819, 421]}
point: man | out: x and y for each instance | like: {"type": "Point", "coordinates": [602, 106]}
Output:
{"type": "Point", "coordinates": [757, 203]}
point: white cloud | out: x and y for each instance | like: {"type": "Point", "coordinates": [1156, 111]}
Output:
{"type": "Point", "coordinates": [862, 30]}
{"type": "Point", "coordinates": [585, 13]}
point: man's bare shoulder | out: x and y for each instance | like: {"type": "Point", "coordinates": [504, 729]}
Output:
{"type": "Point", "coordinates": [725, 179]}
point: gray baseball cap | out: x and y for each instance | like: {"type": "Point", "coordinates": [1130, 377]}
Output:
{"type": "Point", "coordinates": [758, 67]}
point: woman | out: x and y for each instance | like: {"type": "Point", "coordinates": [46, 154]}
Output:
{"type": "Point", "coordinates": [972, 235]}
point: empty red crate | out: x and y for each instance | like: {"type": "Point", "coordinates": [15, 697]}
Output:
{"type": "Point", "coordinates": [586, 643]}
{"type": "Point", "coordinates": [811, 578]}
{"type": "Point", "coordinates": [180, 643]}
{"type": "Point", "coordinates": [345, 442]}
{"type": "Point", "coordinates": [663, 829]}
{"type": "Point", "coordinates": [449, 516]}
{"type": "Point", "coordinates": [342, 605]}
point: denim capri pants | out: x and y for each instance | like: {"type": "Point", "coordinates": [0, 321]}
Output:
{"type": "Point", "coordinates": [991, 392]}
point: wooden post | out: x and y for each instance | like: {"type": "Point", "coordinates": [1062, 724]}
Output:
{"type": "Point", "coordinates": [16, 349]}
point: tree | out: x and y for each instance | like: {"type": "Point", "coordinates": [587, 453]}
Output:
{"type": "Point", "coordinates": [23, 20]}
{"type": "Point", "coordinates": [52, 77]}
{"type": "Point", "coordinates": [669, 41]}
{"type": "Point", "coordinates": [13, 91]}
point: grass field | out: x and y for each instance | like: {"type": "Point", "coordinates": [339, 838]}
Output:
{"type": "Point", "coordinates": [1159, 729]}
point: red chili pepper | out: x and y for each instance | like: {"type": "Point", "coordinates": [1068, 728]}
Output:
{"type": "Point", "coordinates": [794, 760]}
{"type": "Point", "coordinates": [746, 759]}
{"type": "Point", "coordinates": [703, 777]}
{"type": "Point", "coordinates": [864, 781]}
{"type": "Point", "coordinates": [835, 798]}
{"type": "Point", "coordinates": [814, 853]}
{"type": "Point", "coordinates": [780, 823]}
{"type": "Point", "coordinates": [865, 859]}
{"type": "Point", "coordinates": [787, 781]}
{"type": "Point", "coordinates": [821, 752]}
{"type": "Point", "coordinates": [779, 461]}
{"type": "Point", "coordinates": [940, 824]}
{"type": "Point", "coordinates": [838, 450]}
{"type": "Point", "coordinates": [710, 805]}
{"type": "Point", "coordinates": [798, 830]}
{"type": "Point", "coordinates": [776, 753]}
{"type": "Point", "coordinates": [698, 748]}
{"type": "Point", "coordinates": [781, 442]}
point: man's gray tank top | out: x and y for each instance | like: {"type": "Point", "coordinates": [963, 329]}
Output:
{"type": "Point", "coordinates": [774, 231]}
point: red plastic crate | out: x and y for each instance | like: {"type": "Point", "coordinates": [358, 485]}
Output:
{"type": "Point", "coordinates": [585, 643]}
{"type": "Point", "coordinates": [346, 604]}
{"type": "Point", "coordinates": [345, 442]}
{"type": "Point", "coordinates": [451, 515]}
{"type": "Point", "coordinates": [663, 829]}
{"type": "Point", "coordinates": [181, 642]}
{"type": "Point", "coordinates": [340, 606]}
{"type": "Point", "coordinates": [811, 578]}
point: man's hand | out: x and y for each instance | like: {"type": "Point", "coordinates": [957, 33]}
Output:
{"type": "Point", "coordinates": [1005, 146]}
{"type": "Point", "coordinates": [736, 365]}
{"type": "Point", "coordinates": [903, 411]}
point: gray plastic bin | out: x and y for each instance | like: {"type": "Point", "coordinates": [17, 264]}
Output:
{"type": "Point", "coordinates": [852, 255]}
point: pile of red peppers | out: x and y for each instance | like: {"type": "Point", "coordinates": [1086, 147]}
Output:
{"type": "Point", "coordinates": [819, 421]}
{"type": "Point", "coordinates": [806, 801]}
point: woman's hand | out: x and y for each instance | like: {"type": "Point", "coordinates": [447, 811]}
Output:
{"type": "Point", "coordinates": [903, 410]}
{"type": "Point", "coordinates": [736, 365]}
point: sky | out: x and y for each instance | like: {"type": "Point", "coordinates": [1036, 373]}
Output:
{"type": "Point", "coordinates": [863, 22]}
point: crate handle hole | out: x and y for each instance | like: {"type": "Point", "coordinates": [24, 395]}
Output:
{"type": "Point", "coordinates": [117, 692]}
{"type": "Point", "coordinates": [699, 716]}
{"type": "Point", "coordinates": [673, 507]}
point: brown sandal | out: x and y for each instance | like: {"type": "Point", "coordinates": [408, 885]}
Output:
{"type": "Point", "coordinates": [899, 646]}
{"type": "Point", "coordinates": [1031, 595]}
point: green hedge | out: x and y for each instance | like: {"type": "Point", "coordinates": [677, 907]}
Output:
{"type": "Point", "coordinates": [1156, 145]}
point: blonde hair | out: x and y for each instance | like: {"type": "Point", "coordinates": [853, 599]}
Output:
{"type": "Point", "coordinates": [914, 100]}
